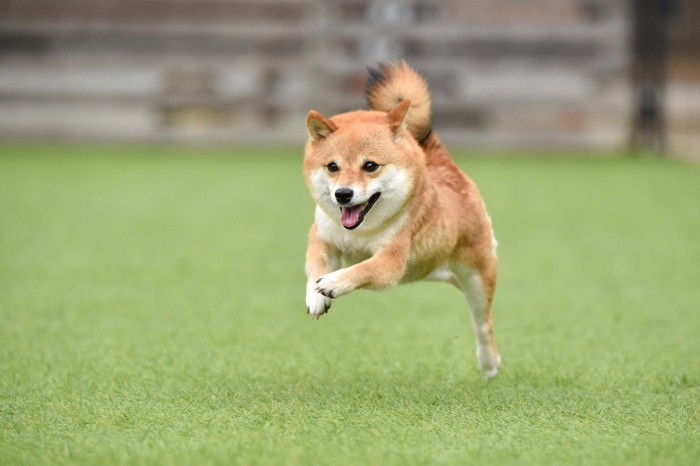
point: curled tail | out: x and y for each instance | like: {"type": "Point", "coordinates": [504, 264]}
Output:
{"type": "Point", "coordinates": [388, 85]}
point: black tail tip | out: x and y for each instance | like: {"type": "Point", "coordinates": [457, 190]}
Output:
{"type": "Point", "coordinates": [375, 76]}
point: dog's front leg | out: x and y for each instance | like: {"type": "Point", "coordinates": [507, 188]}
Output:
{"type": "Point", "coordinates": [381, 271]}
{"type": "Point", "coordinates": [321, 258]}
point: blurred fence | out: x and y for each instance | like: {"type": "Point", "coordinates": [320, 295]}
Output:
{"type": "Point", "coordinates": [682, 93]}
{"type": "Point", "coordinates": [504, 73]}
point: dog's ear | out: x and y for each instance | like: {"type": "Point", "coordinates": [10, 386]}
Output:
{"type": "Point", "coordinates": [319, 126]}
{"type": "Point", "coordinates": [398, 117]}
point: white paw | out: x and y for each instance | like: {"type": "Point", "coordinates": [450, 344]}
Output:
{"type": "Point", "coordinates": [316, 303]}
{"type": "Point", "coordinates": [489, 360]}
{"type": "Point", "coordinates": [330, 285]}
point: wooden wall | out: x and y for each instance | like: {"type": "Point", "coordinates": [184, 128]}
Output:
{"type": "Point", "coordinates": [504, 73]}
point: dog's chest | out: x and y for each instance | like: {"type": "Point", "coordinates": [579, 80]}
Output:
{"type": "Point", "coordinates": [355, 246]}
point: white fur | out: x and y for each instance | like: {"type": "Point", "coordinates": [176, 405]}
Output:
{"type": "Point", "coordinates": [444, 274]}
{"type": "Point", "coordinates": [316, 303]}
{"type": "Point", "coordinates": [355, 245]}
{"type": "Point", "coordinates": [332, 286]}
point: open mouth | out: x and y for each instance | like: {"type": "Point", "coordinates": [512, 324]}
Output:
{"type": "Point", "coordinates": [351, 217]}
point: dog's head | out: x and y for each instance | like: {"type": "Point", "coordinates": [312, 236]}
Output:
{"type": "Point", "coordinates": [361, 167]}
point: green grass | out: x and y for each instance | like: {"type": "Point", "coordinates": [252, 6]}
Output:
{"type": "Point", "coordinates": [152, 312]}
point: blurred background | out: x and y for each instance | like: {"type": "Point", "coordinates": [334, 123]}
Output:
{"type": "Point", "coordinates": [588, 75]}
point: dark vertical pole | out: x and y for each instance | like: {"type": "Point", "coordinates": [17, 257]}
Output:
{"type": "Point", "coordinates": [649, 53]}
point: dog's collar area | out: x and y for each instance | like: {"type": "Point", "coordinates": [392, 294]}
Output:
{"type": "Point", "coordinates": [352, 216]}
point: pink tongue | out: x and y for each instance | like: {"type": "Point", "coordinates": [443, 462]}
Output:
{"type": "Point", "coordinates": [349, 216]}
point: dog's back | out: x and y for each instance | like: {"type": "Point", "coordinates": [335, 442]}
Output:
{"type": "Point", "coordinates": [387, 86]}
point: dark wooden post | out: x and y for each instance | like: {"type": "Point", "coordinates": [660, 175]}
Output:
{"type": "Point", "coordinates": [651, 20]}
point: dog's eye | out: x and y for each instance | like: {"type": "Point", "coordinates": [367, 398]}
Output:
{"type": "Point", "coordinates": [370, 166]}
{"type": "Point", "coordinates": [332, 167]}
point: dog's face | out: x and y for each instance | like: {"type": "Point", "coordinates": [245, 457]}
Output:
{"type": "Point", "coordinates": [360, 168]}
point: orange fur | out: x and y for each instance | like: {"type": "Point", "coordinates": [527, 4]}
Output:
{"type": "Point", "coordinates": [391, 84]}
{"type": "Point", "coordinates": [428, 220]}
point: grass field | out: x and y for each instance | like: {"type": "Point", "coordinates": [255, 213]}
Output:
{"type": "Point", "coordinates": [152, 312]}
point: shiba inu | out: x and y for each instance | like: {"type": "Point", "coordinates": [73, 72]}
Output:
{"type": "Point", "coordinates": [393, 207]}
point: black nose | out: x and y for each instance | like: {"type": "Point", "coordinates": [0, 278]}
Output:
{"type": "Point", "coordinates": [343, 195]}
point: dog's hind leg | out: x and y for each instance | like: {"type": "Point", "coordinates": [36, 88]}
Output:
{"type": "Point", "coordinates": [479, 287]}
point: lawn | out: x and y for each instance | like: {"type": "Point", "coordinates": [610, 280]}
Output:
{"type": "Point", "coordinates": [152, 312]}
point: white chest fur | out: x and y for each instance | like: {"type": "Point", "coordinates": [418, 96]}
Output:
{"type": "Point", "coordinates": [355, 245]}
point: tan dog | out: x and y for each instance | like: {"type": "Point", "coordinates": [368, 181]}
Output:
{"type": "Point", "coordinates": [393, 207]}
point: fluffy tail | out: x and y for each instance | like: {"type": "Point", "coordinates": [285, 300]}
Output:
{"type": "Point", "coordinates": [390, 84]}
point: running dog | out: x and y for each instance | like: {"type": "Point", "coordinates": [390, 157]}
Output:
{"type": "Point", "coordinates": [393, 207]}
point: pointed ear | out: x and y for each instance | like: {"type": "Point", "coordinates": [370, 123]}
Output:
{"type": "Point", "coordinates": [319, 126]}
{"type": "Point", "coordinates": [397, 117]}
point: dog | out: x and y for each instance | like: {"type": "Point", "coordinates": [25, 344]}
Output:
{"type": "Point", "coordinates": [393, 207]}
